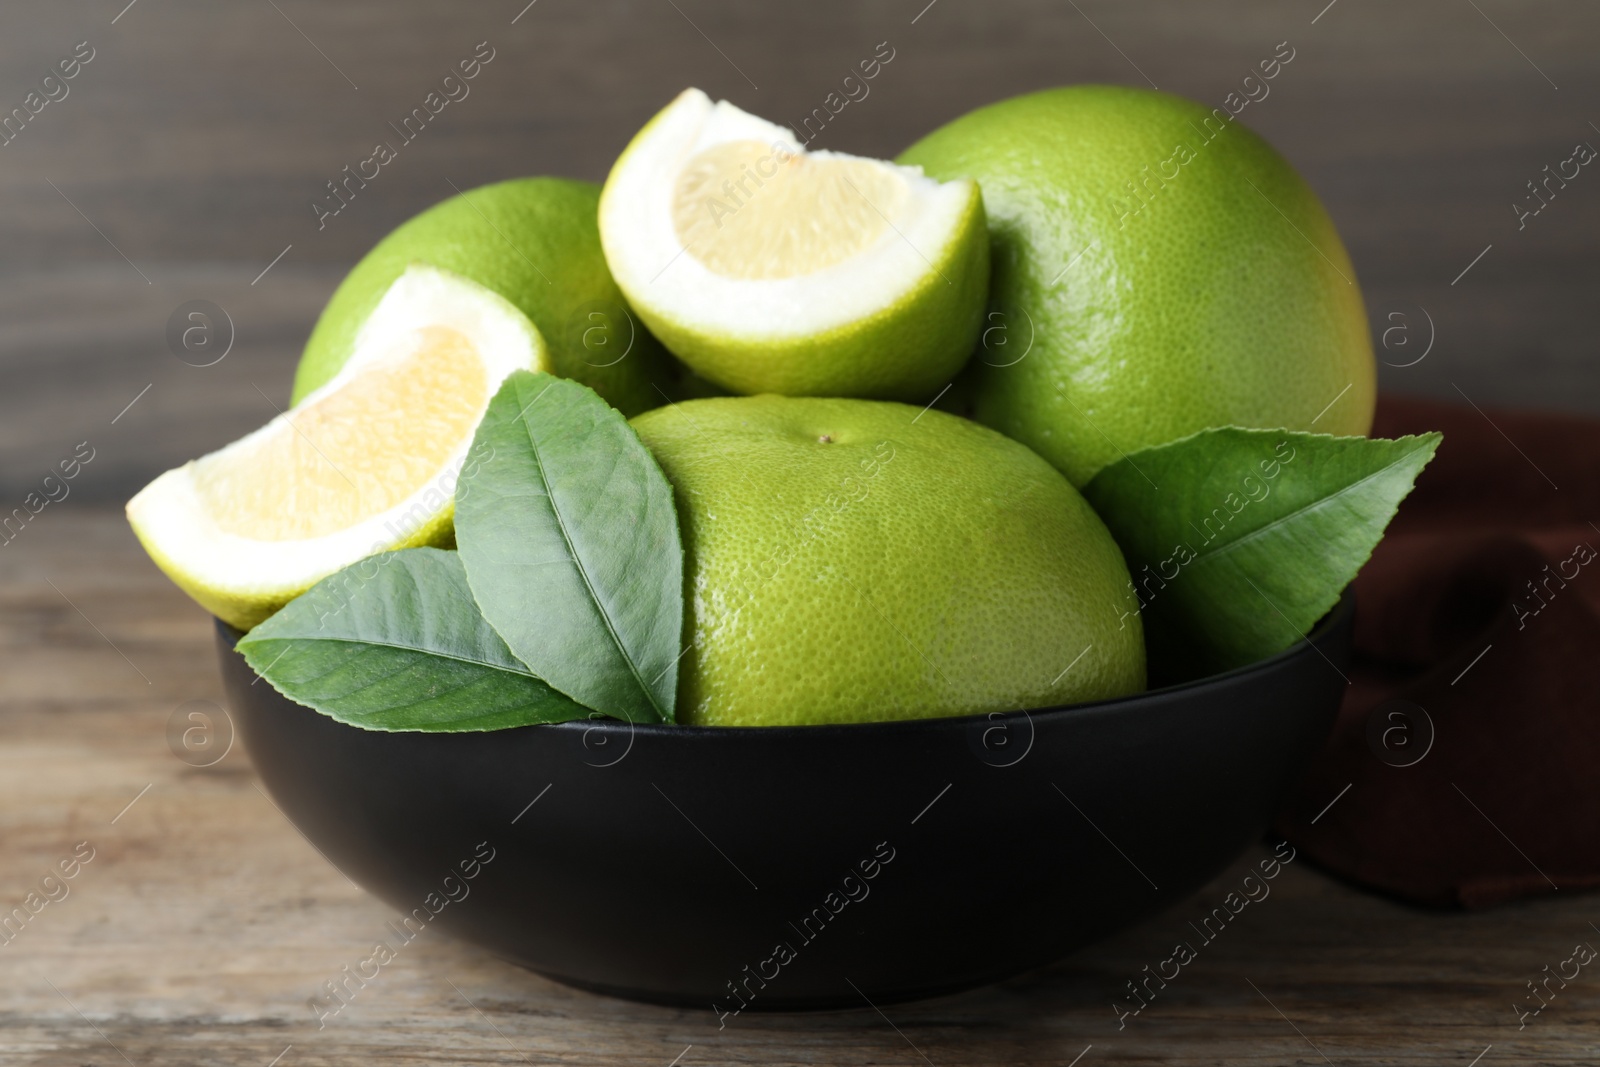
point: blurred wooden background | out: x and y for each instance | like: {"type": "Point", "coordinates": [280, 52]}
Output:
{"type": "Point", "coordinates": [196, 138]}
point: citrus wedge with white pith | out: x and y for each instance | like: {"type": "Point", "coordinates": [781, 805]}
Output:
{"type": "Point", "coordinates": [768, 268]}
{"type": "Point", "coordinates": [366, 463]}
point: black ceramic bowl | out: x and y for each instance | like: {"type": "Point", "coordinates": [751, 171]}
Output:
{"type": "Point", "coordinates": [801, 867]}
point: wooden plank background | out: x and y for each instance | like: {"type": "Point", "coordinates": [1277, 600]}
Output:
{"type": "Point", "coordinates": [198, 136]}
{"type": "Point", "coordinates": [184, 159]}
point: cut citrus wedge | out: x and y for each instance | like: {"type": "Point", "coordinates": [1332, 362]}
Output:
{"type": "Point", "coordinates": [768, 268]}
{"type": "Point", "coordinates": [366, 463]}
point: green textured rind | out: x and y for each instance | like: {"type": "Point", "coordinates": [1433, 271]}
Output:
{"type": "Point", "coordinates": [570, 540]}
{"type": "Point", "coordinates": [536, 242]}
{"type": "Point", "coordinates": [1240, 540]}
{"type": "Point", "coordinates": [860, 561]}
{"type": "Point", "coordinates": [906, 351]}
{"type": "Point", "coordinates": [243, 608]}
{"type": "Point", "coordinates": [1202, 302]}
{"type": "Point", "coordinates": [396, 643]}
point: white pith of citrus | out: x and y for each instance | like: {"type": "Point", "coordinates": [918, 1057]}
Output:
{"type": "Point", "coordinates": [722, 221]}
{"type": "Point", "coordinates": [366, 463]}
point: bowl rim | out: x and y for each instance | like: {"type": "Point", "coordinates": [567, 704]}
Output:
{"type": "Point", "coordinates": [1336, 617]}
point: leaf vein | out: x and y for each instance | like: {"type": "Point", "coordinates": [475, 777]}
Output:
{"type": "Point", "coordinates": [583, 572]}
{"type": "Point", "coordinates": [1314, 505]}
{"type": "Point", "coordinates": [368, 642]}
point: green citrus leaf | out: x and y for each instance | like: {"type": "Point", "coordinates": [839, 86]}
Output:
{"type": "Point", "coordinates": [570, 539]}
{"type": "Point", "coordinates": [1238, 540]}
{"type": "Point", "coordinates": [396, 642]}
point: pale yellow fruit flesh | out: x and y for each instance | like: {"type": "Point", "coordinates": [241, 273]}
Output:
{"type": "Point", "coordinates": [747, 210]}
{"type": "Point", "coordinates": [355, 452]}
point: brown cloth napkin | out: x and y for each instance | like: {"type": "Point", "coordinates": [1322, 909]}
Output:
{"type": "Point", "coordinates": [1481, 607]}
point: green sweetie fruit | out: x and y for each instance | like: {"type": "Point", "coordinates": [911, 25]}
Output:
{"type": "Point", "coordinates": [535, 242]}
{"type": "Point", "coordinates": [855, 560]}
{"type": "Point", "coordinates": [1158, 270]}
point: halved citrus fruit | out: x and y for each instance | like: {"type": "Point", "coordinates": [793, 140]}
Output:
{"type": "Point", "coordinates": [536, 242]}
{"type": "Point", "coordinates": [768, 268]}
{"type": "Point", "coordinates": [368, 462]}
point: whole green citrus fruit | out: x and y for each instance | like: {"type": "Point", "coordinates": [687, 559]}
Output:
{"type": "Point", "coordinates": [1158, 269]}
{"type": "Point", "coordinates": [534, 241]}
{"type": "Point", "coordinates": [857, 560]}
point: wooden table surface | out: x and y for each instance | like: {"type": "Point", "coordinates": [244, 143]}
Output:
{"type": "Point", "coordinates": [184, 160]}
{"type": "Point", "coordinates": [203, 923]}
